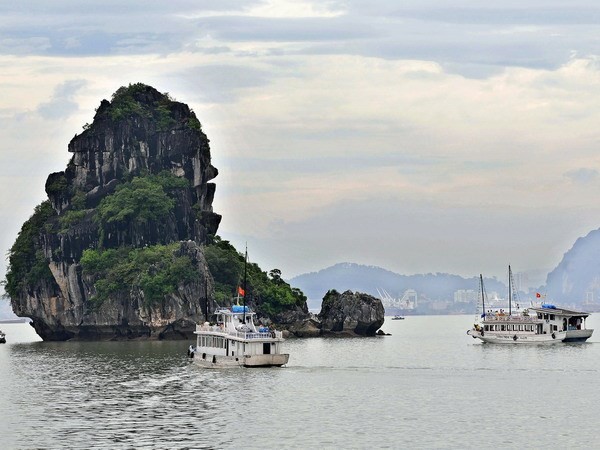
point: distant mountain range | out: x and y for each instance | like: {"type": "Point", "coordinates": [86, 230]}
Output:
{"type": "Point", "coordinates": [574, 282]}
{"type": "Point", "coordinates": [370, 279]}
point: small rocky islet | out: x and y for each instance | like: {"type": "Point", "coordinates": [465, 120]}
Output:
{"type": "Point", "coordinates": [126, 245]}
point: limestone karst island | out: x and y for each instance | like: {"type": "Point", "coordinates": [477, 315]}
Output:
{"type": "Point", "coordinates": [126, 244]}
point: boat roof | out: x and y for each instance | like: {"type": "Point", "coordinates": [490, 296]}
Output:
{"type": "Point", "coordinates": [241, 310]}
{"type": "Point", "coordinates": [551, 309]}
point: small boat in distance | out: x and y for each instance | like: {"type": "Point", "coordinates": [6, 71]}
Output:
{"type": "Point", "coordinates": [2, 337]}
{"type": "Point", "coordinates": [545, 324]}
{"type": "Point", "coordinates": [397, 318]}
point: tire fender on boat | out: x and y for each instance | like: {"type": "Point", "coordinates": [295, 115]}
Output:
{"type": "Point", "coordinates": [482, 332]}
{"type": "Point", "coordinates": [553, 336]}
{"type": "Point", "coordinates": [515, 337]}
{"type": "Point", "coordinates": [468, 332]}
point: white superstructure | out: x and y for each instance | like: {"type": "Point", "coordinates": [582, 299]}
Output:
{"type": "Point", "coordinates": [235, 341]}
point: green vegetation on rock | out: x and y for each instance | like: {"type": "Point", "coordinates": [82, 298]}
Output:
{"type": "Point", "coordinates": [140, 200]}
{"type": "Point", "coordinates": [27, 264]}
{"type": "Point", "coordinates": [156, 270]}
{"type": "Point", "coordinates": [269, 292]}
{"type": "Point", "coordinates": [125, 105]}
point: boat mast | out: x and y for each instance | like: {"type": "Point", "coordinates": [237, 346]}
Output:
{"type": "Point", "coordinates": [482, 296]}
{"type": "Point", "coordinates": [245, 279]}
{"type": "Point", "coordinates": [509, 290]}
{"type": "Point", "coordinates": [206, 299]}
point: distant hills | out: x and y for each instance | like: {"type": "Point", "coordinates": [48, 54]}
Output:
{"type": "Point", "coordinates": [368, 279]}
{"type": "Point", "coordinates": [574, 282]}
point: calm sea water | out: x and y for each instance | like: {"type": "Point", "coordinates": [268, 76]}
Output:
{"type": "Point", "coordinates": [429, 385]}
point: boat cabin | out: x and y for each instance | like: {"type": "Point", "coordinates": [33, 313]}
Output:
{"type": "Point", "coordinates": [235, 335]}
{"type": "Point", "coordinates": [560, 319]}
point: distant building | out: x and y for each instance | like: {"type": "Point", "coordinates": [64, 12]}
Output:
{"type": "Point", "coordinates": [466, 296]}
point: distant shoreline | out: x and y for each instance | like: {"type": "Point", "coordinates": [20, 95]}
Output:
{"type": "Point", "coordinates": [19, 320]}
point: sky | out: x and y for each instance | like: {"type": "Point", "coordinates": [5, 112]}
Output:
{"type": "Point", "coordinates": [419, 136]}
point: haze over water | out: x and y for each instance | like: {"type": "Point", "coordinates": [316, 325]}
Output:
{"type": "Point", "coordinates": [429, 385]}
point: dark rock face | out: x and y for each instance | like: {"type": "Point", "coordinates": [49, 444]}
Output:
{"type": "Point", "coordinates": [578, 273]}
{"type": "Point", "coordinates": [297, 322]}
{"type": "Point", "coordinates": [155, 135]}
{"type": "Point", "coordinates": [351, 313]}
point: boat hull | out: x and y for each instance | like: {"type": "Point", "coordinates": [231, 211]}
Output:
{"type": "Point", "coordinates": [223, 362]}
{"type": "Point", "coordinates": [578, 335]}
{"type": "Point", "coordinates": [277, 360]}
{"type": "Point", "coordinates": [519, 339]}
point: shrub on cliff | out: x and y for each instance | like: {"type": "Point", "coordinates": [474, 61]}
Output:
{"type": "Point", "coordinates": [269, 293]}
{"type": "Point", "coordinates": [156, 270]}
{"type": "Point", "coordinates": [141, 200]}
{"type": "Point", "coordinates": [26, 263]}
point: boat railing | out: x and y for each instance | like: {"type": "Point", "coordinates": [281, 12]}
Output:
{"type": "Point", "coordinates": [240, 334]}
{"type": "Point", "coordinates": [258, 335]}
{"type": "Point", "coordinates": [210, 328]}
{"type": "Point", "coordinates": [507, 318]}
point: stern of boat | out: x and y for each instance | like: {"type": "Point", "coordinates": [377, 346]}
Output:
{"type": "Point", "coordinates": [276, 360]}
{"type": "Point", "coordinates": [578, 335]}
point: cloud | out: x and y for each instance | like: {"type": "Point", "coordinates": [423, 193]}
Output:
{"type": "Point", "coordinates": [583, 175]}
{"type": "Point", "coordinates": [62, 105]}
{"type": "Point", "coordinates": [335, 126]}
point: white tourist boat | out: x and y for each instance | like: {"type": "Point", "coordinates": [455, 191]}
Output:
{"type": "Point", "coordinates": [235, 341]}
{"type": "Point", "coordinates": [545, 324]}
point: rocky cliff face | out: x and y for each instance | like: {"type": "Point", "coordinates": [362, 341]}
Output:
{"type": "Point", "coordinates": [351, 313]}
{"type": "Point", "coordinates": [578, 273]}
{"type": "Point", "coordinates": [142, 144]}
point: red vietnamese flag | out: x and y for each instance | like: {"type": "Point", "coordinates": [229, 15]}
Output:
{"type": "Point", "coordinates": [241, 291]}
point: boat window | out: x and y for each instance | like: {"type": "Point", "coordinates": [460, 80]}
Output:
{"type": "Point", "coordinates": [539, 315]}
{"type": "Point", "coordinates": [551, 316]}
{"type": "Point", "coordinates": [502, 327]}
{"type": "Point", "coordinates": [546, 316]}
{"type": "Point", "coordinates": [486, 327]}
{"type": "Point", "coordinates": [520, 327]}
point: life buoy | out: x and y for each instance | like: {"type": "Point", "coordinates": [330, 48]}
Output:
{"type": "Point", "coordinates": [553, 336]}
{"type": "Point", "coordinates": [468, 332]}
{"type": "Point", "coordinates": [515, 337]}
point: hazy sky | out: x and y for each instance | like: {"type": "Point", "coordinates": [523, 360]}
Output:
{"type": "Point", "coordinates": [420, 136]}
